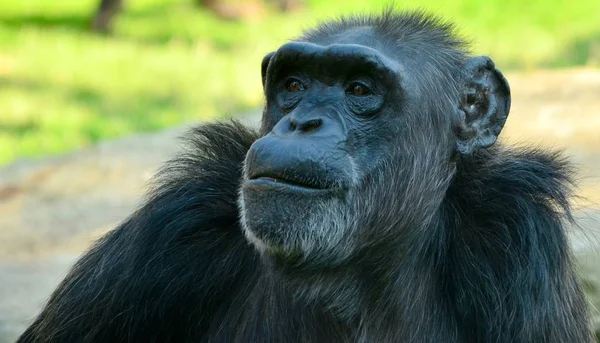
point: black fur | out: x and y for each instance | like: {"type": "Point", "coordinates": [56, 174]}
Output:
{"type": "Point", "coordinates": [492, 264]}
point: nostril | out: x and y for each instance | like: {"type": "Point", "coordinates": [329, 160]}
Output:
{"type": "Point", "coordinates": [304, 126]}
{"type": "Point", "coordinates": [312, 125]}
{"type": "Point", "coordinates": [293, 126]}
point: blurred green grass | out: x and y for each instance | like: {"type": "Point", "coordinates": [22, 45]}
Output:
{"type": "Point", "coordinates": [170, 62]}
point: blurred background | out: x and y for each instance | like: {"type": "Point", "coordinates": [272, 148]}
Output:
{"type": "Point", "coordinates": [94, 93]}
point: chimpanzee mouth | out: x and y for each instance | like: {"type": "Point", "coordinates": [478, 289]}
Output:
{"type": "Point", "coordinates": [287, 181]}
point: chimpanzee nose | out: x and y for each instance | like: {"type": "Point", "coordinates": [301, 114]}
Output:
{"type": "Point", "coordinates": [305, 125]}
{"type": "Point", "coordinates": [321, 122]}
{"type": "Point", "coordinates": [316, 123]}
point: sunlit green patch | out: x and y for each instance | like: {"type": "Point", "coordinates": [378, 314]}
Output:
{"type": "Point", "coordinates": [170, 62]}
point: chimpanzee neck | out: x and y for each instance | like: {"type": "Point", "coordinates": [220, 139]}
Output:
{"type": "Point", "coordinates": [491, 254]}
{"type": "Point", "coordinates": [487, 257]}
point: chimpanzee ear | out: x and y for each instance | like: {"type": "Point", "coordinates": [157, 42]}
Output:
{"type": "Point", "coordinates": [484, 105]}
{"type": "Point", "coordinates": [264, 66]}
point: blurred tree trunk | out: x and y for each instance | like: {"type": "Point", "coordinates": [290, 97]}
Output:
{"type": "Point", "coordinates": [105, 14]}
{"type": "Point", "coordinates": [107, 10]}
{"type": "Point", "coordinates": [229, 10]}
{"type": "Point", "coordinates": [288, 5]}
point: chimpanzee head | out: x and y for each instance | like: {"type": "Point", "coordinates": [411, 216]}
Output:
{"type": "Point", "coordinates": [365, 120]}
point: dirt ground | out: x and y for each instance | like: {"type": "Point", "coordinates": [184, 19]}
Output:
{"type": "Point", "coordinates": [51, 209]}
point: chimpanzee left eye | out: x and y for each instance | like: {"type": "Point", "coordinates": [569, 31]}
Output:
{"type": "Point", "coordinates": [358, 89]}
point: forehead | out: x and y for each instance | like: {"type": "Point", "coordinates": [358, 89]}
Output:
{"type": "Point", "coordinates": [348, 47]}
{"type": "Point", "coordinates": [360, 35]}
{"type": "Point", "coordinates": [395, 56]}
{"type": "Point", "coordinates": [332, 61]}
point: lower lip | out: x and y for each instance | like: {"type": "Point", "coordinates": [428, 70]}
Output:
{"type": "Point", "coordinates": [274, 183]}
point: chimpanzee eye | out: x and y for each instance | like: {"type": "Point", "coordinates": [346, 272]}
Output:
{"type": "Point", "coordinates": [293, 86]}
{"type": "Point", "coordinates": [358, 89]}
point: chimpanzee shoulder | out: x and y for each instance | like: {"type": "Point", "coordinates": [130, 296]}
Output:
{"type": "Point", "coordinates": [507, 212]}
{"type": "Point", "coordinates": [163, 273]}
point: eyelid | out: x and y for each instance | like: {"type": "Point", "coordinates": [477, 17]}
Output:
{"type": "Point", "coordinates": [364, 80]}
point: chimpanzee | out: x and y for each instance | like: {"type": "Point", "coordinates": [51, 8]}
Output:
{"type": "Point", "coordinates": [371, 205]}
